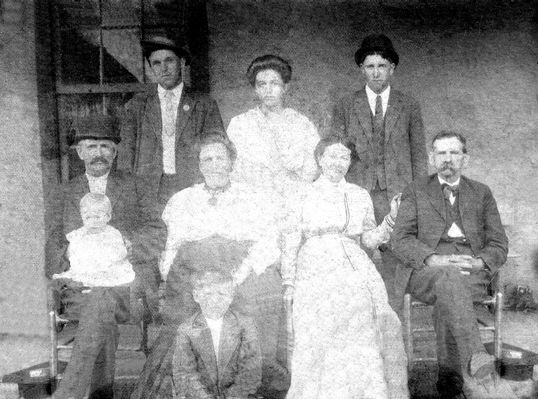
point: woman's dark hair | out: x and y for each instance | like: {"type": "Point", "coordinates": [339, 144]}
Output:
{"type": "Point", "coordinates": [269, 61]}
{"type": "Point", "coordinates": [333, 139]}
{"type": "Point", "coordinates": [217, 137]}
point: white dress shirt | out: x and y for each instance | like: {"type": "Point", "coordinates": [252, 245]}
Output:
{"type": "Point", "coordinates": [454, 231]}
{"type": "Point", "coordinates": [97, 184]}
{"type": "Point", "coordinates": [169, 101]}
{"type": "Point", "coordinates": [215, 326]}
{"type": "Point", "coordinates": [372, 96]}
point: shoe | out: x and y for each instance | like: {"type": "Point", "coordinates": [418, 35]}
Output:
{"type": "Point", "coordinates": [481, 365]}
{"type": "Point", "coordinates": [487, 388]}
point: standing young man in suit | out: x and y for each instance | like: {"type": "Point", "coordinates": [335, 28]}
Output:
{"type": "Point", "coordinates": [161, 125]}
{"type": "Point", "coordinates": [386, 126]}
{"type": "Point", "coordinates": [449, 236]}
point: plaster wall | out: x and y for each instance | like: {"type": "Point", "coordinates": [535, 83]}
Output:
{"type": "Point", "coordinates": [22, 231]}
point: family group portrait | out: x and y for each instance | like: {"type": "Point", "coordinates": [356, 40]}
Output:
{"type": "Point", "coordinates": [269, 199]}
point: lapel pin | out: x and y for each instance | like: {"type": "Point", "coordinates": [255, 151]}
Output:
{"type": "Point", "coordinates": [186, 107]}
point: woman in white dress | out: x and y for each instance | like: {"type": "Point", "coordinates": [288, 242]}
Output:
{"type": "Point", "coordinates": [275, 144]}
{"type": "Point", "coordinates": [228, 226]}
{"type": "Point", "coordinates": [347, 339]}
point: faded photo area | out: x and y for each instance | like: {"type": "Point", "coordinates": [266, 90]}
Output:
{"type": "Point", "coordinates": [292, 199]}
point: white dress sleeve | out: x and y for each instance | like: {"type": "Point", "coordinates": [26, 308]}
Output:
{"type": "Point", "coordinates": [310, 170]}
{"type": "Point", "coordinates": [250, 166]}
{"type": "Point", "coordinates": [292, 238]}
{"type": "Point", "coordinates": [265, 250]}
{"type": "Point", "coordinates": [373, 235]}
{"type": "Point", "coordinates": [174, 211]}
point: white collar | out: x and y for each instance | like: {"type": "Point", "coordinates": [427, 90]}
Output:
{"type": "Point", "coordinates": [214, 322]}
{"type": "Point", "coordinates": [94, 178]}
{"type": "Point", "coordinates": [443, 181]}
{"type": "Point", "coordinates": [372, 95]}
{"type": "Point", "coordinates": [177, 91]}
{"type": "Point", "coordinates": [323, 181]}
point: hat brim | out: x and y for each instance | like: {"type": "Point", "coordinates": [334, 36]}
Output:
{"type": "Point", "coordinates": [77, 139]}
{"type": "Point", "coordinates": [362, 53]}
{"type": "Point", "coordinates": [149, 47]}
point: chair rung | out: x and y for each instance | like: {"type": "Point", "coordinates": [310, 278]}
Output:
{"type": "Point", "coordinates": [424, 359]}
{"type": "Point", "coordinates": [423, 330]}
{"type": "Point", "coordinates": [431, 330]}
{"type": "Point", "coordinates": [64, 346]}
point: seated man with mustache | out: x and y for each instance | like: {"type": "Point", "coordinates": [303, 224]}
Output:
{"type": "Point", "coordinates": [98, 306]}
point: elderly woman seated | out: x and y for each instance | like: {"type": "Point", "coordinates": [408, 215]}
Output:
{"type": "Point", "coordinates": [221, 225]}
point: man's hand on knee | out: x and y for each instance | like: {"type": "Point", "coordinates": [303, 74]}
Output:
{"type": "Point", "coordinates": [465, 263]}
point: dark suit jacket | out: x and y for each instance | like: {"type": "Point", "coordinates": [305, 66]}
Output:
{"type": "Point", "coordinates": [132, 211]}
{"type": "Point", "coordinates": [141, 135]}
{"type": "Point", "coordinates": [196, 372]}
{"type": "Point", "coordinates": [405, 149]}
{"type": "Point", "coordinates": [421, 222]}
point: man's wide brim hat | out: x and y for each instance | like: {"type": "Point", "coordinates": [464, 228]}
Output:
{"type": "Point", "coordinates": [95, 127]}
{"type": "Point", "coordinates": [376, 43]}
{"type": "Point", "coordinates": [155, 43]}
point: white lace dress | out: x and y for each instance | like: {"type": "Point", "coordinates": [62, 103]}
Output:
{"type": "Point", "coordinates": [274, 152]}
{"type": "Point", "coordinates": [347, 339]}
{"type": "Point", "coordinates": [98, 259]}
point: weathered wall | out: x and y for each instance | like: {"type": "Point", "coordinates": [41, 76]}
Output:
{"type": "Point", "coordinates": [22, 293]}
{"type": "Point", "coordinates": [472, 67]}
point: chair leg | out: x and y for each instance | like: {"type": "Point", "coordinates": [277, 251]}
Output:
{"type": "Point", "coordinates": [498, 333]}
{"type": "Point", "coordinates": [290, 335]}
{"type": "Point", "coordinates": [408, 333]}
{"type": "Point", "coordinates": [53, 357]}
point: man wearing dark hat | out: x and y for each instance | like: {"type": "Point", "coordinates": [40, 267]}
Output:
{"type": "Point", "coordinates": [98, 310]}
{"type": "Point", "coordinates": [386, 126]}
{"type": "Point", "coordinates": [161, 125]}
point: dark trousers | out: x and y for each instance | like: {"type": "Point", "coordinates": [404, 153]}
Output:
{"type": "Point", "coordinates": [92, 362]}
{"type": "Point", "coordinates": [452, 295]}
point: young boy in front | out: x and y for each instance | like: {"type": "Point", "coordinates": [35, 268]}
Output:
{"type": "Point", "coordinates": [217, 354]}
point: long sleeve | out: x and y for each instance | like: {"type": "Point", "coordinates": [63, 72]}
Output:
{"type": "Point", "coordinates": [150, 237]}
{"type": "Point", "coordinates": [56, 245]}
{"type": "Point", "coordinates": [495, 249]}
{"type": "Point", "coordinates": [213, 120]}
{"type": "Point", "coordinates": [373, 235]}
{"type": "Point", "coordinates": [417, 142]}
{"type": "Point", "coordinates": [128, 133]}
{"type": "Point", "coordinates": [249, 373]}
{"type": "Point", "coordinates": [172, 216]}
{"type": "Point", "coordinates": [291, 240]}
{"type": "Point", "coordinates": [265, 250]}
{"type": "Point", "coordinates": [249, 167]}
{"type": "Point", "coordinates": [187, 379]}
{"type": "Point", "coordinates": [309, 169]}
{"type": "Point", "coordinates": [405, 243]}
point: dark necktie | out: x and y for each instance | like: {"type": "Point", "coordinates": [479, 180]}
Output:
{"type": "Point", "coordinates": [447, 190]}
{"type": "Point", "coordinates": [378, 117]}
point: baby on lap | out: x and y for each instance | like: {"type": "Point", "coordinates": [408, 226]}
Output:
{"type": "Point", "coordinates": [97, 252]}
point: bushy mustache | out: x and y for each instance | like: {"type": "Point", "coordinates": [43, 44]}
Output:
{"type": "Point", "coordinates": [99, 159]}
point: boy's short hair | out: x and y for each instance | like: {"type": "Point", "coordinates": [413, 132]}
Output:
{"type": "Point", "coordinates": [210, 277]}
{"type": "Point", "coordinates": [95, 199]}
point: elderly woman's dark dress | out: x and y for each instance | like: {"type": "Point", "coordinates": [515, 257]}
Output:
{"type": "Point", "coordinates": [234, 231]}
